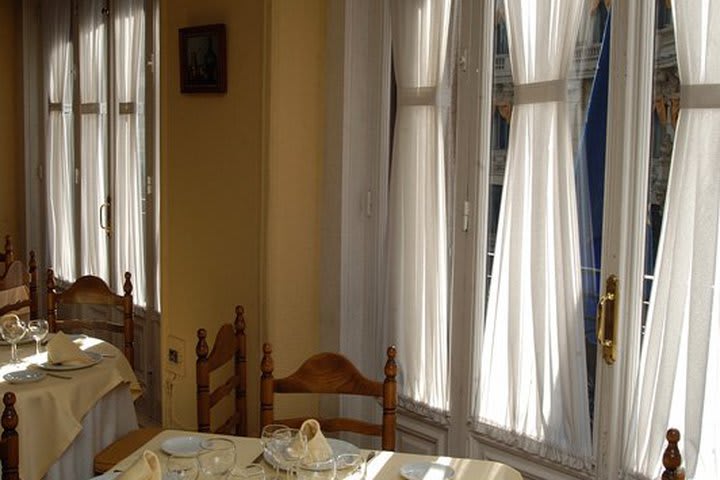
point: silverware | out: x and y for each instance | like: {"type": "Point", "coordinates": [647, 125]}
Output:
{"type": "Point", "coordinates": [370, 456]}
{"type": "Point", "coordinates": [107, 355]}
{"type": "Point", "coordinates": [57, 375]}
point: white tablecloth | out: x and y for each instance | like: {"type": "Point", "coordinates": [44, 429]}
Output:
{"type": "Point", "coordinates": [384, 465]}
{"type": "Point", "coordinates": [112, 417]}
{"type": "Point", "coordinates": [63, 419]}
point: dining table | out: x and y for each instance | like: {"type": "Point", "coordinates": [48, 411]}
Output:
{"type": "Point", "coordinates": [68, 415]}
{"type": "Point", "coordinates": [381, 465]}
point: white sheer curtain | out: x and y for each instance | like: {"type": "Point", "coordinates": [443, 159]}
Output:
{"type": "Point", "coordinates": [59, 164]}
{"type": "Point", "coordinates": [93, 146]}
{"type": "Point", "coordinates": [679, 380]}
{"type": "Point", "coordinates": [417, 231]}
{"type": "Point", "coordinates": [128, 209]}
{"type": "Point", "coordinates": [530, 361]}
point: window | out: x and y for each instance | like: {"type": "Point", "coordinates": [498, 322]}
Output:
{"type": "Point", "coordinates": [99, 170]}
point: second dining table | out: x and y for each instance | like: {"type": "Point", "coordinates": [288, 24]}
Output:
{"type": "Point", "coordinates": [383, 465]}
{"type": "Point", "coordinates": [68, 415]}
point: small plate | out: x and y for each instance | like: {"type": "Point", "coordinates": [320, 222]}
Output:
{"type": "Point", "coordinates": [339, 447]}
{"type": "Point", "coordinates": [95, 358]}
{"type": "Point", "coordinates": [24, 376]}
{"type": "Point", "coordinates": [188, 446]}
{"type": "Point", "coordinates": [418, 471]}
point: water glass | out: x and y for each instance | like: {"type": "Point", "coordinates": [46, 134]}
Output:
{"type": "Point", "coordinates": [12, 330]}
{"type": "Point", "coordinates": [266, 439]}
{"type": "Point", "coordinates": [38, 330]}
{"type": "Point", "coordinates": [349, 465]}
{"type": "Point", "coordinates": [217, 457]}
{"type": "Point", "coordinates": [182, 468]}
{"type": "Point", "coordinates": [248, 472]}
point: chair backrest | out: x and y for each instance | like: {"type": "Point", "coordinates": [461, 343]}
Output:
{"type": "Point", "coordinates": [671, 458]}
{"type": "Point", "coordinates": [7, 255]}
{"type": "Point", "coordinates": [332, 373]}
{"type": "Point", "coordinates": [91, 290]}
{"type": "Point", "coordinates": [9, 443]}
{"type": "Point", "coordinates": [230, 344]}
{"type": "Point", "coordinates": [9, 280]}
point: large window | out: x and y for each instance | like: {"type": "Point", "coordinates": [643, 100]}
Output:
{"type": "Point", "coordinates": [99, 170]}
{"type": "Point", "coordinates": [539, 216]}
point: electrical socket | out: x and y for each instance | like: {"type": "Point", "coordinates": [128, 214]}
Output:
{"type": "Point", "coordinates": [176, 355]}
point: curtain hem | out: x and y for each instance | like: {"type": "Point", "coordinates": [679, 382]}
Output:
{"type": "Point", "coordinates": [532, 446]}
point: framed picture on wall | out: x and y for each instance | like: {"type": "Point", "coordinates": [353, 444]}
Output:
{"type": "Point", "coordinates": [203, 64]}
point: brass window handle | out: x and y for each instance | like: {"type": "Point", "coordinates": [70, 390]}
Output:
{"type": "Point", "coordinates": [607, 321]}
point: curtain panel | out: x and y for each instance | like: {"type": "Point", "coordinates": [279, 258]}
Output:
{"type": "Point", "coordinates": [128, 211]}
{"type": "Point", "coordinates": [93, 144]}
{"type": "Point", "coordinates": [679, 378]}
{"type": "Point", "coordinates": [418, 275]}
{"type": "Point", "coordinates": [59, 163]}
{"type": "Point", "coordinates": [530, 359]}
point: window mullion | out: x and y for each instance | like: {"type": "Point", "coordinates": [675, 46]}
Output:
{"type": "Point", "coordinates": [77, 137]}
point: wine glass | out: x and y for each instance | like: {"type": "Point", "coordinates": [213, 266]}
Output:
{"type": "Point", "coordinates": [217, 457]}
{"type": "Point", "coordinates": [38, 330]}
{"type": "Point", "coordinates": [182, 468]}
{"type": "Point", "coordinates": [266, 437]}
{"type": "Point", "coordinates": [12, 330]}
{"type": "Point", "coordinates": [293, 446]}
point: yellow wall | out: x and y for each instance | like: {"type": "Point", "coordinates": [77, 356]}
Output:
{"type": "Point", "coordinates": [296, 122]}
{"type": "Point", "coordinates": [12, 192]}
{"type": "Point", "coordinates": [211, 150]}
{"type": "Point", "coordinates": [240, 180]}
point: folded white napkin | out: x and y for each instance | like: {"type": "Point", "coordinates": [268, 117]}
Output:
{"type": "Point", "coordinates": [147, 467]}
{"type": "Point", "coordinates": [318, 448]}
{"type": "Point", "coordinates": [61, 349]}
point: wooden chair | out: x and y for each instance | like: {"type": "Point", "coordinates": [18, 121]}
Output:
{"type": "Point", "coordinates": [7, 256]}
{"type": "Point", "coordinates": [93, 291]}
{"type": "Point", "coordinates": [10, 443]}
{"type": "Point", "coordinates": [230, 344]}
{"type": "Point", "coordinates": [31, 303]}
{"type": "Point", "coordinates": [672, 458]}
{"type": "Point", "coordinates": [332, 373]}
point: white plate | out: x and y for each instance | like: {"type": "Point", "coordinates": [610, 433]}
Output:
{"type": "Point", "coordinates": [434, 471]}
{"type": "Point", "coordinates": [188, 446]}
{"type": "Point", "coordinates": [24, 376]}
{"type": "Point", "coordinates": [95, 358]}
{"type": "Point", "coordinates": [339, 447]}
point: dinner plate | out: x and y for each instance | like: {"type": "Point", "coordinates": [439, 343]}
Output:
{"type": "Point", "coordinates": [422, 470]}
{"type": "Point", "coordinates": [187, 446]}
{"type": "Point", "coordinates": [339, 447]}
{"type": "Point", "coordinates": [24, 376]}
{"type": "Point", "coordinates": [95, 358]}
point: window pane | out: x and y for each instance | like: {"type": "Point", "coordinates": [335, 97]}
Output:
{"type": "Point", "coordinates": [59, 151]}
{"type": "Point", "coordinates": [94, 135]}
{"type": "Point", "coordinates": [587, 98]}
{"type": "Point", "coordinates": [666, 106]}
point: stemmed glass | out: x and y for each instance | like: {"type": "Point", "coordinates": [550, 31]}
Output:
{"type": "Point", "coordinates": [293, 444]}
{"type": "Point", "coordinates": [266, 439]}
{"type": "Point", "coordinates": [38, 330]}
{"type": "Point", "coordinates": [182, 468]}
{"type": "Point", "coordinates": [12, 330]}
{"type": "Point", "coordinates": [217, 457]}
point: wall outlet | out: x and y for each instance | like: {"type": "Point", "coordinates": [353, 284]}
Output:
{"type": "Point", "coordinates": [176, 355]}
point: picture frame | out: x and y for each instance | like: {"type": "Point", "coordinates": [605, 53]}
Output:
{"type": "Point", "coordinates": [203, 62]}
